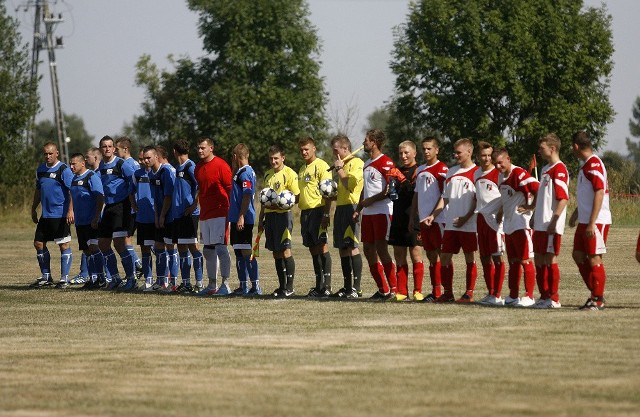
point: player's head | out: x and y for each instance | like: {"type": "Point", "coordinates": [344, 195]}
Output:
{"type": "Point", "coordinates": [484, 153]}
{"type": "Point", "coordinates": [430, 149]}
{"type": "Point", "coordinates": [581, 143]}
{"type": "Point", "coordinates": [141, 157]}
{"type": "Point", "coordinates": [374, 139]}
{"type": "Point", "coordinates": [50, 153]}
{"type": "Point", "coordinates": [341, 145]}
{"type": "Point", "coordinates": [407, 153]}
{"type": "Point", "coordinates": [463, 150]}
{"type": "Point", "coordinates": [123, 147]}
{"type": "Point", "coordinates": [239, 155]}
{"type": "Point", "coordinates": [77, 163]}
{"type": "Point", "coordinates": [107, 147]}
{"type": "Point", "coordinates": [276, 157]}
{"type": "Point", "coordinates": [549, 145]}
{"type": "Point", "coordinates": [205, 148]}
{"type": "Point", "coordinates": [502, 160]}
{"type": "Point", "coordinates": [150, 157]}
{"type": "Point", "coordinates": [163, 155]}
{"type": "Point", "coordinates": [307, 147]}
{"type": "Point", "coordinates": [181, 147]}
{"type": "Point", "coordinates": [93, 158]}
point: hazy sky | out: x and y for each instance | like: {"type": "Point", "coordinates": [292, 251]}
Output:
{"type": "Point", "coordinates": [104, 39]}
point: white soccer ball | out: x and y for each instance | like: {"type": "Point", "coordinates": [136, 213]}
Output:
{"type": "Point", "coordinates": [268, 197]}
{"type": "Point", "coordinates": [286, 200]}
{"type": "Point", "coordinates": [328, 188]}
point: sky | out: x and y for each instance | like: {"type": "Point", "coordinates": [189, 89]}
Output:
{"type": "Point", "coordinates": [104, 39]}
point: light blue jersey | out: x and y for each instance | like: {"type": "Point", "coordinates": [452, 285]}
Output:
{"type": "Point", "coordinates": [54, 184]}
{"type": "Point", "coordinates": [85, 189]}
{"type": "Point", "coordinates": [186, 189]}
{"type": "Point", "coordinates": [116, 178]}
{"type": "Point", "coordinates": [244, 182]}
{"type": "Point", "coordinates": [142, 189]}
{"type": "Point", "coordinates": [163, 184]}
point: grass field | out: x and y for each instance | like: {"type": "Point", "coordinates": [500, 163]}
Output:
{"type": "Point", "coordinates": [72, 353]}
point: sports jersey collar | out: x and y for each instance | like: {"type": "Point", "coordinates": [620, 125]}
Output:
{"type": "Point", "coordinates": [376, 158]}
{"type": "Point", "coordinates": [53, 166]}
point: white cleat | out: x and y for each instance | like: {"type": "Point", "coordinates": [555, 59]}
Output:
{"type": "Point", "coordinates": [525, 302]}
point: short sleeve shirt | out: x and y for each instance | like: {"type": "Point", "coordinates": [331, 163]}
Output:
{"type": "Point", "coordinates": [85, 189]}
{"type": "Point", "coordinates": [460, 191]}
{"type": "Point", "coordinates": [516, 190]}
{"type": "Point", "coordinates": [554, 186]}
{"type": "Point", "coordinates": [309, 178]}
{"type": "Point", "coordinates": [285, 179]}
{"type": "Point", "coordinates": [351, 194]}
{"type": "Point", "coordinates": [488, 196]}
{"type": "Point", "coordinates": [429, 187]}
{"type": "Point", "coordinates": [54, 183]}
{"type": "Point", "coordinates": [591, 178]}
{"type": "Point", "coordinates": [244, 183]}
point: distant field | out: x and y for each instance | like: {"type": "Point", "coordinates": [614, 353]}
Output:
{"type": "Point", "coordinates": [71, 353]}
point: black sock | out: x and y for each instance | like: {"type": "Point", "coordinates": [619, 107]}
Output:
{"type": "Point", "coordinates": [317, 269]}
{"type": "Point", "coordinates": [280, 269]}
{"type": "Point", "coordinates": [326, 269]}
{"type": "Point", "coordinates": [290, 267]}
{"type": "Point", "coordinates": [356, 262]}
{"type": "Point", "coordinates": [345, 263]}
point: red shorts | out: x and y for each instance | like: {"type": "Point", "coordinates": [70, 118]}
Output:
{"type": "Point", "coordinates": [453, 240]}
{"type": "Point", "coordinates": [490, 242]}
{"type": "Point", "coordinates": [544, 242]}
{"type": "Point", "coordinates": [597, 245]}
{"type": "Point", "coordinates": [431, 236]}
{"type": "Point", "coordinates": [519, 245]}
{"type": "Point", "coordinates": [375, 227]}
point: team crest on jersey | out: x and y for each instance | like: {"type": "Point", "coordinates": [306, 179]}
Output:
{"type": "Point", "coordinates": [489, 187]}
{"type": "Point", "coordinates": [246, 184]}
{"type": "Point", "coordinates": [109, 171]}
{"type": "Point", "coordinates": [158, 182]}
{"type": "Point", "coordinates": [80, 182]}
{"type": "Point", "coordinates": [235, 177]}
{"type": "Point", "coordinates": [52, 175]}
{"type": "Point", "coordinates": [521, 176]}
{"type": "Point", "coordinates": [307, 178]}
{"type": "Point", "coordinates": [181, 174]}
{"type": "Point", "coordinates": [277, 185]}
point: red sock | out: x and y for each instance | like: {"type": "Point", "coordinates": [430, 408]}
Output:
{"type": "Point", "coordinates": [585, 273]}
{"type": "Point", "coordinates": [471, 275]}
{"type": "Point", "coordinates": [436, 279]}
{"type": "Point", "coordinates": [553, 279]}
{"type": "Point", "coordinates": [418, 276]}
{"type": "Point", "coordinates": [377, 274]}
{"type": "Point", "coordinates": [541, 279]}
{"type": "Point", "coordinates": [529, 279]}
{"type": "Point", "coordinates": [598, 279]}
{"type": "Point", "coordinates": [488, 271]}
{"type": "Point", "coordinates": [447, 278]}
{"type": "Point", "coordinates": [390, 272]}
{"type": "Point", "coordinates": [403, 278]}
{"type": "Point", "coordinates": [498, 279]}
{"type": "Point", "coordinates": [515, 270]}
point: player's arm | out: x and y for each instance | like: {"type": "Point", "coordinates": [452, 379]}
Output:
{"type": "Point", "coordinates": [34, 205]}
{"type": "Point", "coordinates": [598, 197]}
{"type": "Point", "coordinates": [343, 176]}
{"type": "Point", "coordinates": [244, 206]}
{"type": "Point", "coordinates": [166, 206]}
{"type": "Point", "coordinates": [359, 206]}
{"type": "Point", "coordinates": [442, 202]}
{"type": "Point", "coordinates": [261, 219]}
{"type": "Point", "coordinates": [562, 204]}
{"type": "Point", "coordinates": [414, 210]}
{"type": "Point", "coordinates": [574, 217]}
{"type": "Point", "coordinates": [189, 210]}
{"type": "Point", "coordinates": [70, 216]}
{"type": "Point", "coordinates": [98, 212]}
{"type": "Point", "coordinates": [460, 221]}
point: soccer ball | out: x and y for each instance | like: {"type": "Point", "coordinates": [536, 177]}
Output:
{"type": "Point", "coordinates": [328, 188]}
{"type": "Point", "coordinates": [286, 200]}
{"type": "Point", "coordinates": [268, 197]}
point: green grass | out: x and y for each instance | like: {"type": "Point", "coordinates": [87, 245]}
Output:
{"type": "Point", "coordinates": [71, 353]}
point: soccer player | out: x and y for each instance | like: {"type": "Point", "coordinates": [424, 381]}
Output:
{"type": "Point", "coordinates": [186, 218]}
{"type": "Point", "coordinates": [88, 200]}
{"type": "Point", "coordinates": [116, 178]}
{"type": "Point", "coordinates": [380, 176]}
{"type": "Point", "coordinates": [53, 182]}
{"type": "Point", "coordinates": [278, 223]}
{"type": "Point", "coordinates": [459, 198]}
{"type": "Point", "coordinates": [314, 215]}
{"type": "Point", "coordinates": [401, 237]}
{"type": "Point", "coordinates": [490, 234]}
{"type": "Point", "coordinates": [345, 229]}
{"type": "Point", "coordinates": [242, 216]}
{"type": "Point", "coordinates": [517, 188]}
{"type": "Point", "coordinates": [428, 191]}
{"type": "Point", "coordinates": [141, 197]}
{"type": "Point", "coordinates": [213, 175]}
{"type": "Point", "coordinates": [594, 218]}
{"type": "Point", "coordinates": [93, 159]}
{"type": "Point", "coordinates": [548, 220]}
{"type": "Point", "coordinates": [173, 262]}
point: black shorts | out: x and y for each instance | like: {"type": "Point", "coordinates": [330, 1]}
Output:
{"type": "Point", "coordinates": [146, 234]}
{"type": "Point", "coordinates": [399, 235]}
{"type": "Point", "coordinates": [86, 235]}
{"type": "Point", "coordinates": [185, 229]}
{"type": "Point", "coordinates": [241, 239]}
{"type": "Point", "coordinates": [312, 234]}
{"type": "Point", "coordinates": [165, 235]}
{"type": "Point", "coordinates": [346, 231]}
{"type": "Point", "coordinates": [53, 229]}
{"type": "Point", "coordinates": [277, 231]}
{"type": "Point", "coordinates": [131, 230]}
{"type": "Point", "coordinates": [115, 220]}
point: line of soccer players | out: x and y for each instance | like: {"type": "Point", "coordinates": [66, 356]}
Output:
{"type": "Point", "coordinates": [492, 207]}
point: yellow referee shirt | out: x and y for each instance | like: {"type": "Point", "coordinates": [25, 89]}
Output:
{"type": "Point", "coordinates": [309, 178]}
{"type": "Point", "coordinates": [351, 195]}
{"type": "Point", "coordinates": [285, 179]}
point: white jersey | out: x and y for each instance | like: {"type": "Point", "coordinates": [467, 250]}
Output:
{"type": "Point", "coordinates": [554, 186]}
{"type": "Point", "coordinates": [460, 191]}
{"type": "Point", "coordinates": [591, 178]}
{"type": "Point", "coordinates": [429, 187]}
{"type": "Point", "coordinates": [488, 196]}
{"type": "Point", "coordinates": [515, 191]}
{"type": "Point", "coordinates": [376, 174]}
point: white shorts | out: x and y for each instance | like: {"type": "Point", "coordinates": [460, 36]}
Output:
{"type": "Point", "coordinates": [214, 231]}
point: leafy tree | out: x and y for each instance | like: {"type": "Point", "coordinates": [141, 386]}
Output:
{"type": "Point", "coordinates": [634, 128]}
{"type": "Point", "coordinates": [81, 140]}
{"type": "Point", "coordinates": [258, 83]}
{"type": "Point", "coordinates": [623, 174]}
{"type": "Point", "coordinates": [18, 104]}
{"type": "Point", "coordinates": [511, 70]}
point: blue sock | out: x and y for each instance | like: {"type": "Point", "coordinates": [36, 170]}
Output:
{"type": "Point", "coordinates": [147, 268]}
{"type": "Point", "coordinates": [132, 252]}
{"type": "Point", "coordinates": [253, 273]}
{"type": "Point", "coordinates": [65, 264]}
{"type": "Point", "coordinates": [111, 264]}
{"type": "Point", "coordinates": [161, 265]}
{"type": "Point", "coordinates": [98, 266]}
{"type": "Point", "coordinates": [44, 261]}
{"type": "Point", "coordinates": [198, 265]}
{"type": "Point", "coordinates": [185, 267]}
{"type": "Point", "coordinates": [242, 268]}
{"type": "Point", "coordinates": [174, 263]}
{"type": "Point", "coordinates": [91, 265]}
{"type": "Point", "coordinates": [84, 268]}
{"type": "Point", "coordinates": [127, 263]}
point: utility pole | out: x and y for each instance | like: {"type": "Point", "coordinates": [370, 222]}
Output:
{"type": "Point", "coordinates": [43, 13]}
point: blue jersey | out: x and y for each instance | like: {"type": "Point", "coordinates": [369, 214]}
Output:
{"type": "Point", "coordinates": [85, 189]}
{"type": "Point", "coordinates": [54, 184]}
{"type": "Point", "coordinates": [133, 163]}
{"type": "Point", "coordinates": [116, 178]}
{"type": "Point", "coordinates": [244, 183]}
{"type": "Point", "coordinates": [141, 188]}
{"type": "Point", "coordinates": [186, 189]}
{"type": "Point", "coordinates": [163, 183]}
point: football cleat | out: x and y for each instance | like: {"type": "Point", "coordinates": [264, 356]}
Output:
{"type": "Point", "coordinates": [148, 287]}
{"type": "Point", "coordinates": [430, 298]}
{"type": "Point", "coordinates": [315, 293]}
{"type": "Point", "coordinates": [377, 296]}
{"type": "Point", "coordinates": [129, 285]}
{"type": "Point", "coordinates": [184, 288]}
{"type": "Point", "coordinates": [254, 292]}
{"type": "Point", "coordinates": [341, 293]}
{"type": "Point", "coordinates": [525, 302]}
{"type": "Point", "coordinates": [353, 295]}
{"type": "Point", "coordinates": [446, 298]}
{"type": "Point", "coordinates": [199, 286]}
{"type": "Point", "coordinates": [555, 304]}
{"type": "Point", "coordinates": [390, 296]}
{"type": "Point", "coordinates": [592, 305]}
{"type": "Point", "coordinates": [240, 291]}
{"type": "Point", "coordinates": [207, 292]}
{"type": "Point", "coordinates": [42, 282]}
{"type": "Point", "coordinates": [289, 293]}
{"type": "Point", "coordinates": [492, 300]}
{"type": "Point", "coordinates": [114, 284]}
{"type": "Point", "coordinates": [78, 279]}
{"type": "Point", "coordinates": [224, 290]}
{"type": "Point", "coordinates": [418, 296]}
{"type": "Point", "coordinates": [400, 297]}
{"type": "Point", "coordinates": [278, 293]}
{"type": "Point", "coordinates": [511, 302]}
{"type": "Point", "coordinates": [62, 285]}
{"type": "Point", "coordinates": [543, 303]}
{"type": "Point", "coordinates": [465, 299]}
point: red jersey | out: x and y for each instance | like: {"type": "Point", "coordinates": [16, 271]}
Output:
{"type": "Point", "coordinates": [554, 186]}
{"type": "Point", "coordinates": [591, 178]}
{"type": "Point", "coordinates": [460, 192]}
{"type": "Point", "coordinates": [515, 191]}
{"type": "Point", "coordinates": [429, 188]}
{"type": "Point", "coordinates": [214, 183]}
{"type": "Point", "coordinates": [488, 196]}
